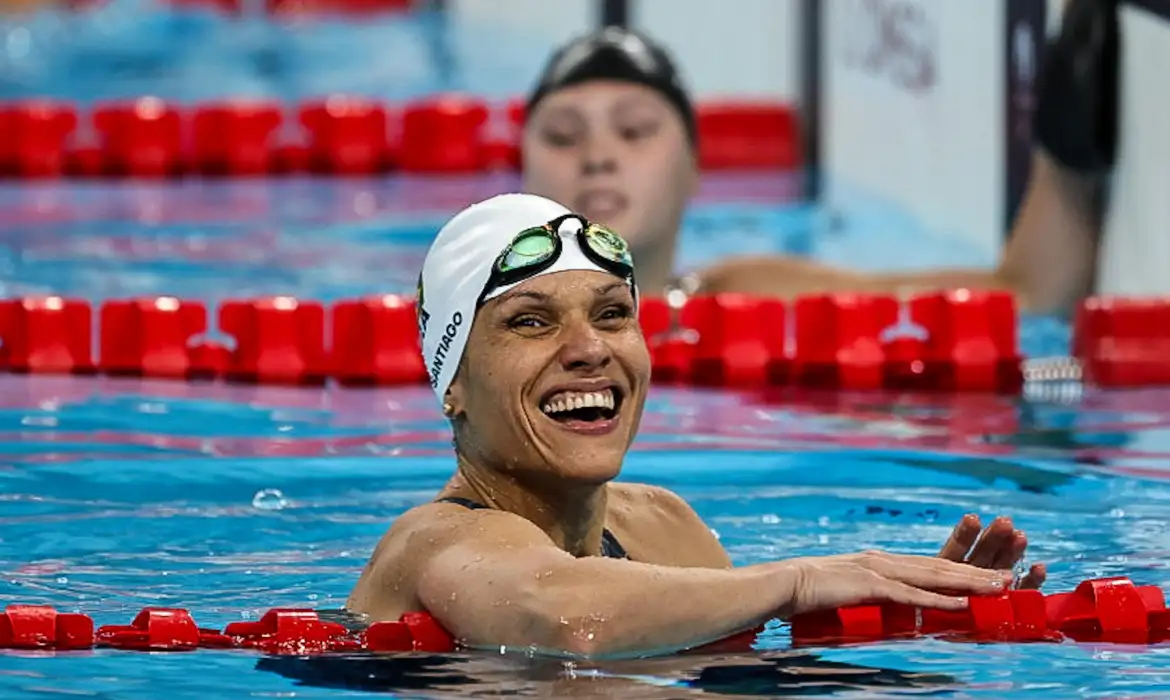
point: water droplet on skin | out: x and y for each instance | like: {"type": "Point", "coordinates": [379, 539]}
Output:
{"type": "Point", "coordinates": [453, 596]}
{"type": "Point", "coordinates": [563, 620]}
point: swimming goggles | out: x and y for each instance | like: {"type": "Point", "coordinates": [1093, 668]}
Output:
{"type": "Point", "coordinates": [534, 250]}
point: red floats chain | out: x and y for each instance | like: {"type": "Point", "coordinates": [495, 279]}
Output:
{"type": "Point", "coordinates": [47, 335]}
{"type": "Point", "coordinates": [955, 341]}
{"type": "Point", "coordinates": [41, 627]}
{"type": "Point", "coordinates": [141, 139]}
{"type": "Point", "coordinates": [347, 136]}
{"type": "Point", "coordinates": [234, 139]}
{"type": "Point", "coordinates": [375, 341]}
{"type": "Point", "coordinates": [754, 136]}
{"type": "Point", "coordinates": [952, 341]}
{"type": "Point", "coordinates": [445, 135]}
{"type": "Point", "coordinates": [1110, 610]}
{"type": "Point", "coordinates": [279, 631]}
{"type": "Point", "coordinates": [278, 341]}
{"type": "Point", "coordinates": [342, 135]}
{"type": "Point", "coordinates": [1101, 610]}
{"type": "Point", "coordinates": [151, 338]}
{"type": "Point", "coordinates": [33, 136]}
{"type": "Point", "coordinates": [1123, 342]}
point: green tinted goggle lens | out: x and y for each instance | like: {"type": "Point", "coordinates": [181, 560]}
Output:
{"type": "Point", "coordinates": [536, 245]}
{"type": "Point", "coordinates": [529, 248]}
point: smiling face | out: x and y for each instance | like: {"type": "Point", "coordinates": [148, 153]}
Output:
{"type": "Point", "coordinates": [615, 152]}
{"type": "Point", "coordinates": [554, 379]}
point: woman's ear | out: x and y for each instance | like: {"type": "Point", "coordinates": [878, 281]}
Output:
{"type": "Point", "coordinates": [453, 400]}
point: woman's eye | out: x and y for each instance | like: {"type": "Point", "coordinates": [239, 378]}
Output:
{"type": "Point", "coordinates": [559, 139]}
{"type": "Point", "coordinates": [526, 322]}
{"type": "Point", "coordinates": [640, 131]}
{"type": "Point", "coordinates": [620, 311]}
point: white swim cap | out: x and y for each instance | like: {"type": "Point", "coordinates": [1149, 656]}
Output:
{"type": "Point", "coordinates": [459, 265]}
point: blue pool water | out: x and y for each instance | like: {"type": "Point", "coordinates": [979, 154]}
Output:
{"type": "Point", "coordinates": [121, 494]}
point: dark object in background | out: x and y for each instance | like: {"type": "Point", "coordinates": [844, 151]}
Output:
{"type": "Point", "coordinates": [1076, 119]}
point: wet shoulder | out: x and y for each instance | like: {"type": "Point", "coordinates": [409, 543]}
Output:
{"type": "Point", "coordinates": [658, 526]}
{"type": "Point", "coordinates": [386, 587]}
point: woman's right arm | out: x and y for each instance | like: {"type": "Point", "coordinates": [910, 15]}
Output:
{"type": "Point", "coordinates": [496, 579]}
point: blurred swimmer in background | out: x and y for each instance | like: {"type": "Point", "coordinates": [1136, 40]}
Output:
{"type": "Point", "coordinates": [611, 133]}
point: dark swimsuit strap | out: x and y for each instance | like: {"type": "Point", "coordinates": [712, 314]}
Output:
{"type": "Point", "coordinates": [610, 547]}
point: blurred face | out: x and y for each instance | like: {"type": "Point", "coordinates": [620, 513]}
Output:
{"type": "Point", "coordinates": [615, 152]}
{"type": "Point", "coordinates": [554, 379]}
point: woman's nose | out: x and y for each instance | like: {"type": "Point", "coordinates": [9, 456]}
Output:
{"type": "Point", "coordinates": [598, 157]}
{"type": "Point", "coordinates": [583, 347]}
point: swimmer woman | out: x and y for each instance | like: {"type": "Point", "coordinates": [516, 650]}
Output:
{"type": "Point", "coordinates": [532, 342]}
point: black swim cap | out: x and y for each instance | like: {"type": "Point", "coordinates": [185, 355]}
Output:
{"type": "Point", "coordinates": [615, 53]}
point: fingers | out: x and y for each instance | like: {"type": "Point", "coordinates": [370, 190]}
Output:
{"type": "Point", "coordinates": [898, 592]}
{"type": "Point", "coordinates": [1012, 551]}
{"type": "Point", "coordinates": [936, 574]}
{"type": "Point", "coordinates": [995, 546]}
{"type": "Point", "coordinates": [962, 538]}
{"type": "Point", "coordinates": [1034, 578]}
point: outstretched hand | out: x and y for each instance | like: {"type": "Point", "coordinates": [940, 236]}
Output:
{"type": "Point", "coordinates": [878, 577]}
{"type": "Point", "coordinates": [999, 547]}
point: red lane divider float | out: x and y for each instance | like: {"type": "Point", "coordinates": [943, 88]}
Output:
{"type": "Point", "coordinates": [964, 341]}
{"type": "Point", "coordinates": [956, 341]}
{"type": "Point", "coordinates": [342, 135]}
{"type": "Point", "coordinates": [1110, 610]}
{"type": "Point", "coordinates": [1123, 342]}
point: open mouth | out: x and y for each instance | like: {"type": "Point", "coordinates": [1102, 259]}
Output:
{"type": "Point", "coordinates": [583, 408]}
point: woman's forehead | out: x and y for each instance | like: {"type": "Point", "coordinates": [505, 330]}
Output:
{"type": "Point", "coordinates": [567, 285]}
{"type": "Point", "coordinates": [597, 97]}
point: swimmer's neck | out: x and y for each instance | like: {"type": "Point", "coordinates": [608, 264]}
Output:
{"type": "Point", "coordinates": [572, 517]}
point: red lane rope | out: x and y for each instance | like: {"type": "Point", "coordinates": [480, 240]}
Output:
{"type": "Point", "coordinates": [952, 341]}
{"type": "Point", "coordinates": [338, 135]}
{"type": "Point", "coordinates": [1111, 610]}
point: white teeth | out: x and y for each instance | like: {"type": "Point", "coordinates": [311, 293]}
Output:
{"type": "Point", "coordinates": [573, 400]}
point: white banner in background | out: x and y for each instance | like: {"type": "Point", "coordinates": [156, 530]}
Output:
{"type": "Point", "coordinates": [745, 49]}
{"type": "Point", "coordinates": [926, 105]}
{"type": "Point", "coordinates": [1135, 256]}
